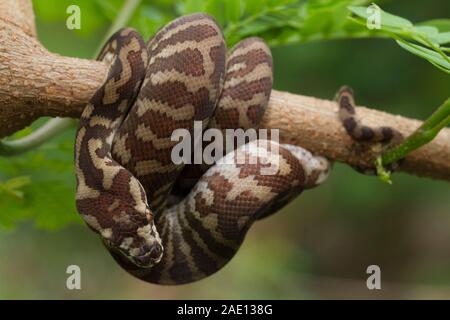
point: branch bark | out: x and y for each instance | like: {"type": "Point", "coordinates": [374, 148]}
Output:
{"type": "Point", "coordinates": [35, 82]}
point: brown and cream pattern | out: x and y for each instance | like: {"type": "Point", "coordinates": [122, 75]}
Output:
{"type": "Point", "coordinates": [370, 140]}
{"type": "Point", "coordinates": [123, 151]}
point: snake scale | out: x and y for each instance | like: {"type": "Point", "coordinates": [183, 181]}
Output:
{"type": "Point", "coordinates": [125, 175]}
{"type": "Point", "coordinates": [370, 141]}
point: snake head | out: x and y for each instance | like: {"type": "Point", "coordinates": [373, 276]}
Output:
{"type": "Point", "coordinates": [134, 236]}
{"type": "Point", "coordinates": [121, 216]}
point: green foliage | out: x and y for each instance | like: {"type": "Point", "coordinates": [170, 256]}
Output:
{"type": "Point", "coordinates": [40, 186]}
{"type": "Point", "coordinates": [280, 22]}
{"type": "Point", "coordinates": [12, 186]}
{"type": "Point", "coordinates": [425, 40]}
{"type": "Point", "coordinates": [94, 14]}
{"type": "Point", "coordinates": [424, 134]}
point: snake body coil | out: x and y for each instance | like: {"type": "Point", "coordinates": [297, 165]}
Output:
{"type": "Point", "coordinates": [123, 151]}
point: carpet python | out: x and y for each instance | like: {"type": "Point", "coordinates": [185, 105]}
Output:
{"type": "Point", "coordinates": [371, 142]}
{"type": "Point", "coordinates": [125, 175]}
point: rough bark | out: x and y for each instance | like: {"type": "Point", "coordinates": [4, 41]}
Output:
{"type": "Point", "coordinates": [313, 124]}
{"type": "Point", "coordinates": [35, 82]}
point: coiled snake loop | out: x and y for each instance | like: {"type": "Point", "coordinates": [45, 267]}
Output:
{"type": "Point", "coordinates": [125, 173]}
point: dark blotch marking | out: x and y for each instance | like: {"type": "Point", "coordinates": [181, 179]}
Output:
{"type": "Point", "coordinates": [350, 125]}
{"type": "Point", "coordinates": [346, 105]}
{"type": "Point", "coordinates": [189, 62]}
{"type": "Point", "coordinates": [206, 236]}
{"type": "Point", "coordinates": [367, 134]}
{"type": "Point", "coordinates": [179, 271]}
{"type": "Point", "coordinates": [195, 33]}
{"type": "Point", "coordinates": [245, 90]}
{"type": "Point", "coordinates": [202, 261]}
{"type": "Point", "coordinates": [218, 56]}
{"type": "Point", "coordinates": [388, 133]}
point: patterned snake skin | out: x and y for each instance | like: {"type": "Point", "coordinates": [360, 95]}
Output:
{"type": "Point", "coordinates": [370, 141]}
{"type": "Point", "coordinates": [123, 151]}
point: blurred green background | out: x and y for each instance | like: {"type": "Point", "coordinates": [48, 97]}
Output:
{"type": "Point", "coordinates": [319, 246]}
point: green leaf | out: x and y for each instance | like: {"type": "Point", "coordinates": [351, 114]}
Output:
{"type": "Point", "coordinates": [50, 211]}
{"type": "Point", "coordinates": [428, 35]}
{"type": "Point", "coordinates": [252, 7]}
{"type": "Point", "coordinates": [430, 55]}
{"type": "Point", "coordinates": [193, 6]}
{"type": "Point", "coordinates": [429, 31]}
{"type": "Point", "coordinates": [443, 38]}
{"type": "Point", "coordinates": [109, 8]}
{"type": "Point", "coordinates": [12, 212]}
{"type": "Point", "coordinates": [216, 8]}
{"type": "Point", "coordinates": [50, 10]}
{"type": "Point", "coordinates": [17, 183]}
{"type": "Point", "coordinates": [433, 34]}
{"type": "Point", "coordinates": [233, 10]}
{"type": "Point", "coordinates": [40, 186]}
{"type": "Point", "coordinates": [17, 194]}
{"type": "Point", "coordinates": [324, 20]}
{"type": "Point", "coordinates": [149, 19]}
{"type": "Point", "coordinates": [12, 186]}
{"type": "Point", "coordinates": [386, 19]}
{"type": "Point", "coordinates": [443, 25]}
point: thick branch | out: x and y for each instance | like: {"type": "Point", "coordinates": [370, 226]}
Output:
{"type": "Point", "coordinates": [35, 82]}
{"type": "Point", "coordinates": [313, 124]}
{"type": "Point", "coordinates": [18, 13]}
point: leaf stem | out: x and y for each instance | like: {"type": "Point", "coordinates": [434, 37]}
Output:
{"type": "Point", "coordinates": [424, 134]}
{"type": "Point", "coordinates": [55, 126]}
{"type": "Point", "coordinates": [435, 47]}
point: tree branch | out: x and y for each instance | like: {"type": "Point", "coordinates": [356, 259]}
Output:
{"type": "Point", "coordinates": [35, 82]}
{"type": "Point", "coordinates": [313, 124]}
{"type": "Point", "coordinates": [18, 13]}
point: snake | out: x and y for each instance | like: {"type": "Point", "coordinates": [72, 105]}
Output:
{"type": "Point", "coordinates": [169, 223]}
{"type": "Point", "coordinates": [371, 141]}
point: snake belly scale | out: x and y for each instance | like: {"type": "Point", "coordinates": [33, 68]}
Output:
{"type": "Point", "coordinates": [124, 170]}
